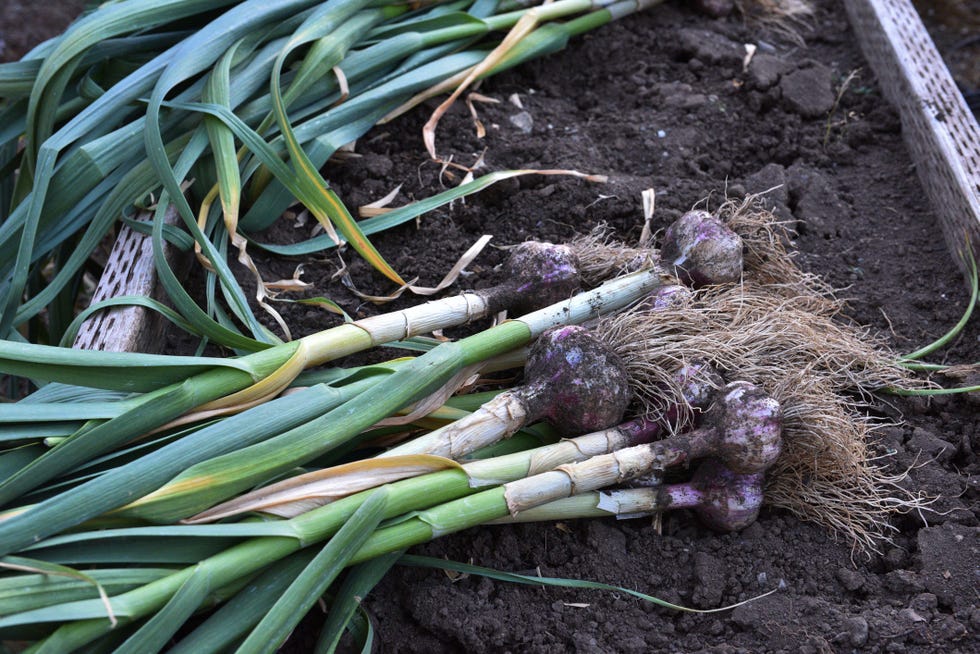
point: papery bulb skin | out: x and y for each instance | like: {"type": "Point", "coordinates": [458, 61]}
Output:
{"type": "Point", "coordinates": [538, 274]}
{"type": "Point", "coordinates": [729, 501]}
{"type": "Point", "coordinates": [576, 381]}
{"type": "Point", "coordinates": [747, 427]}
{"type": "Point", "coordinates": [668, 297]}
{"type": "Point", "coordinates": [699, 381]}
{"type": "Point", "coordinates": [702, 250]}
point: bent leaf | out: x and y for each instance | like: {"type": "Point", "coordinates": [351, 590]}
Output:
{"type": "Point", "coordinates": [513, 578]}
{"type": "Point", "coordinates": [306, 492]}
{"type": "Point", "coordinates": [46, 568]}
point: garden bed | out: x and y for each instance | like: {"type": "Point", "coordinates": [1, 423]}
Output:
{"type": "Point", "coordinates": [663, 100]}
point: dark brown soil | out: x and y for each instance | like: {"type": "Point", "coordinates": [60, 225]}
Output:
{"type": "Point", "coordinates": [25, 24]}
{"type": "Point", "coordinates": [954, 26]}
{"type": "Point", "coordinates": [661, 100]}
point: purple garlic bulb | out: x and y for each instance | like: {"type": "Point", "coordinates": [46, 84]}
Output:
{"type": "Point", "coordinates": [729, 501]}
{"type": "Point", "coordinates": [702, 250]}
{"type": "Point", "coordinates": [575, 381]}
{"type": "Point", "coordinates": [722, 499]}
{"type": "Point", "coordinates": [538, 274]}
{"type": "Point", "coordinates": [699, 381]}
{"type": "Point", "coordinates": [667, 297]}
{"type": "Point", "coordinates": [746, 429]}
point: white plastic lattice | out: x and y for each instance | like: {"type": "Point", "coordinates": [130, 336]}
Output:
{"type": "Point", "coordinates": [940, 131]}
{"type": "Point", "coordinates": [129, 271]}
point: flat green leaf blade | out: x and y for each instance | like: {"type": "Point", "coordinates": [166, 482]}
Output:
{"type": "Point", "coordinates": [209, 482]}
{"type": "Point", "coordinates": [32, 432]}
{"type": "Point", "coordinates": [510, 577]}
{"type": "Point", "coordinates": [238, 616]}
{"type": "Point", "coordinates": [88, 443]}
{"type": "Point", "coordinates": [54, 569]}
{"type": "Point", "coordinates": [158, 630]}
{"type": "Point", "coordinates": [113, 20]}
{"type": "Point", "coordinates": [145, 475]}
{"type": "Point", "coordinates": [151, 411]}
{"type": "Point", "coordinates": [360, 580]}
{"type": "Point", "coordinates": [222, 139]}
{"type": "Point", "coordinates": [159, 535]}
{"type": "Point", "coordinates": [137, 551]}
{"type": "Point", "coordinates": [14, 459]}
{"type": "Point", "coordinates": [220, 333]}
{"type": "Point", "coordinates": [127, 301]}
{"type": "Point", "coordinates": [31, 591]}
{"type": "Point", "coordinates": [277, 624]}
{"type": "Point", "coordinates": [192, 56]}
{"type": "Point", "coordinates": [314, 190]}
{"type": "Point", "coordinates": [123, 371]}
{"type": "Point", "coordinates": [60, 411]}
{"type": "Point", "coordinates": [102, 113]}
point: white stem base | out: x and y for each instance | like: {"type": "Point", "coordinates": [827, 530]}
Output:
{"type": "Point", "coordinates": [497, 419]}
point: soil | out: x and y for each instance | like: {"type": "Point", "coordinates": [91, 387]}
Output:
{"type": "Point", "coordinates": [25, 24]}
{"type": "Point", "coordinates": [662, 100]}
{"type": "Point", "coordinates": [954, 26]}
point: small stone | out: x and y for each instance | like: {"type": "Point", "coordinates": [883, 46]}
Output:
{"type": "Point", "coordinates": [930, 445]}
{"type": "Point", "coordinates": [808, 91]}
{"type": "Point", "coordinates": [895, 558]}
{"type": "Point", "coordinates": [924, 602]}
{"type": "Point", "coordinates": [857, 631]}
{"type": "Point", "coordinates": [710, 47]}
{"type": "Point", "coordinates": [850, 579]}
{"type": "Point", "coordinates": [522, 121]}
{"type": "Point", "coordinates": [818, 205]}
{"type": "Point", "coordinates": [669, 89]}
{"type": "Point", "coordinates": [910, 616]}
{"type": "Point", "coordinates": [903, 581]}
{"type": "Point", "coordinates": [771, 180]}
{"type": "Point", "coordinates": [694, 101]}
{"type": "Point", "coordinates": [377, 164]}
{"type": "Point", "coordinates": [585, 642]}
{"type": "Point", "coordinates": [709, 580]}
{"type": "Point", "coordinates": [685, 101]}
{"type": "Point", "coordinates": [765, 71]}
{"type": "Point", "coordinates": [949, 629]}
